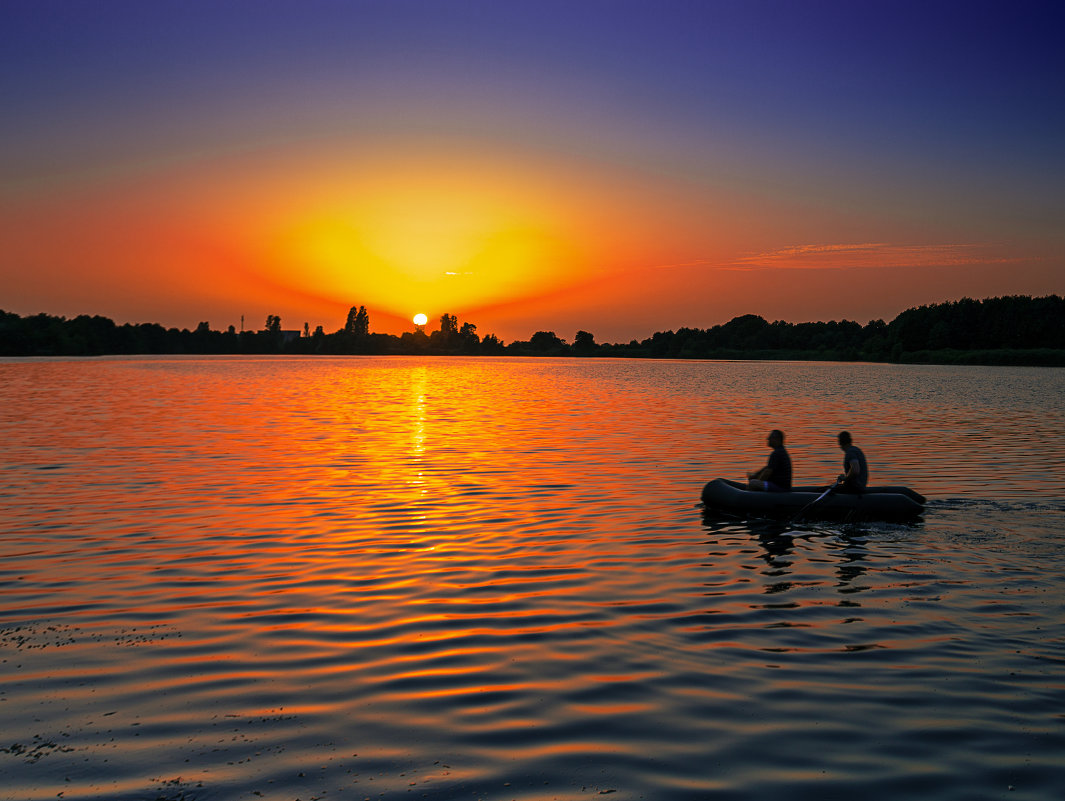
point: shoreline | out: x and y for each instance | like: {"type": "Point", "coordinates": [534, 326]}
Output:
{"type": "Point", "coordinates": [1036, 357]}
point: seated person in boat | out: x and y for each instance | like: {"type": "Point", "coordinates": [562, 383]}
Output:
{"type": "Point", "coordinates": [776, 475]}
{"type": "Point", "coordinates": [855, 475]}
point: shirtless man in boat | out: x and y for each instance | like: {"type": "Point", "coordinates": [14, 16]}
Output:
{"type": "Point", "coordinates": [776, 475]}
{"type": "Point", "coordinates": [855, 475]}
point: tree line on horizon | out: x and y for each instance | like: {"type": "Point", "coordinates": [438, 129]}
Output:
{"type": "Point", "coordinates": [1016, 329]}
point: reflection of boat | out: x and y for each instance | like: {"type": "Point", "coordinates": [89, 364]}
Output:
{"type": "Point", "coordinates": [875, 503]}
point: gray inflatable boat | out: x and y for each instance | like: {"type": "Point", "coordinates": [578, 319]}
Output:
{"type": "Point", "coordinates": [874, 503]}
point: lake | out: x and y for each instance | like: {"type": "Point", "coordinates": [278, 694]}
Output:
{"type": "Point", "coordinates": [406, 578]}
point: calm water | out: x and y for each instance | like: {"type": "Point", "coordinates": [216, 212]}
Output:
{"type": "Point", "coordinates": [490, 579]}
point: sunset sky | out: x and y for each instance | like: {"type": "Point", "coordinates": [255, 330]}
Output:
{"type": "Point", "coordinates": [619, 167]}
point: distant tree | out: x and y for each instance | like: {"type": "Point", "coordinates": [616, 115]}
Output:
{"type": "Point", "coordinates": [447, 339]}
{"type": "Point", "coordinates": [491, 344]}
{"type": "Point", "coordinates": [415, 341]}
{"type": "Point", "coordinates": [449, 324]}
{"type": "Point", "coordinates": [584, 342]}
{"type": "Point", "coordinates": [743, 331]}
{"type": "Point", "coordinates": [468, 336]}
{"type": "Point", "coordinates": [202, 339]}
{"type": "Point", "coordinates": [546, 342]}
{"type": "Point", "coordinates": [662, 343]}
{"type": "Point", "coordinates": [939, 336]}
{"type": "Point", "coordinates": [227, 341]}
{"type": "Point", "coordinates": [273, 324]}
{"type": "Point", "coordinates": [307, 330]}
{"type": "Point", "coordinates": [85, 335]}
{"type": "Point", "coordinates": [358, 323]}
{"type": "Point", "coordinates": [875, 343]}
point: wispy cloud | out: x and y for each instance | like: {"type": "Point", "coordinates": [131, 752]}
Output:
{"type": "Point", "coordinates": [692, 263]}
{"type": "Point", "coordinates": [869, 255]}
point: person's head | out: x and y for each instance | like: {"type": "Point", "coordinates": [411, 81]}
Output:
{"type": "Point", "coordinates": [844, 439]}
{"type": "Point", "coordinates": [775, 438]}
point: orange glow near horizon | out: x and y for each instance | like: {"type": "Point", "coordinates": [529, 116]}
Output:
{"type": "Point", "coordinates": [511, 244]}
{"type": "Point", "coordinates": [434, 237]}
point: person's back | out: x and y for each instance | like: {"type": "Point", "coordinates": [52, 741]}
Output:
{"type": "Point", "coordinates": [780, 464]}
{"type": "Point", "coordinates": [776, 475]}
{"type": "Point", "coordinates": [855, 476]}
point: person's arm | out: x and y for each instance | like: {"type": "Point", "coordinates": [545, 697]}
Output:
{"type": "Point", "coordinates": [766, 472]}
{"type": "Point", "coordinates": [853, 469]}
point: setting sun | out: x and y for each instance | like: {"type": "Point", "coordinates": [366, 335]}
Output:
{"type": "Point", "coordinates": [420, 319]}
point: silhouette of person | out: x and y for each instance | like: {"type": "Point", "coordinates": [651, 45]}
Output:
{"type": "Point", "coordinates": [855, 475]}
{"type": "Point", "coordinates": [776, 475]}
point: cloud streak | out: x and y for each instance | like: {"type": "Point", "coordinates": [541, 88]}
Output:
{"type": "Point", "coordinates": [868, 255]}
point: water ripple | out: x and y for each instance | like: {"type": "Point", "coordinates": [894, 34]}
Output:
{"type": "Point", "coordinates": [446, 579]}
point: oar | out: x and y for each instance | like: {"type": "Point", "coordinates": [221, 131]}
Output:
{"type": "Point", "coordinates": [815, 501]}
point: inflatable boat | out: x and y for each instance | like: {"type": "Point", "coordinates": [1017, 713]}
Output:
{"type": "Point", "coordinates": [874, 503]}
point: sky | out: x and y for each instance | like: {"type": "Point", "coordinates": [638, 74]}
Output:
{"type": "Point", "coordinates": [610, 166]}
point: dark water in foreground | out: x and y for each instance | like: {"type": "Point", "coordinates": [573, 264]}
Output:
{"type": "Point", "coordinates": [409, 578]}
